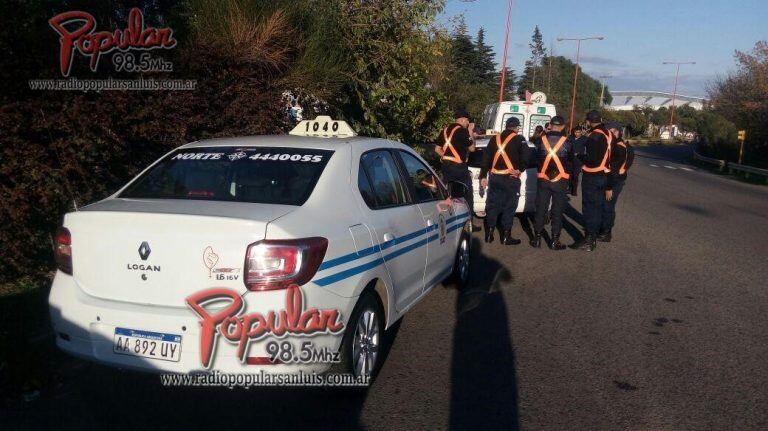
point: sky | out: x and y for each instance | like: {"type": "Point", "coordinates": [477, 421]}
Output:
{"type": "Point", "coordinates": [639, 36]}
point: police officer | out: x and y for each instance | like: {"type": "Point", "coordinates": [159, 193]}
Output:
{"type": "Point", "coordinates": [594, 178]}
{"type": "Point", "coordinates": [505, 158]}
{"type": "Point", "coordinates": [579, 142]}
{"type": "Point", "coordinates": [453, 145]}
{"type": "Point", "coordinates": [622, 156]}
{"type": "Point", "coordinates": [554, 153]}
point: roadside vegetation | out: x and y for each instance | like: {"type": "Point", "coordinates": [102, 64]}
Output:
{"type": "Point", "coordinates": [738, 101]}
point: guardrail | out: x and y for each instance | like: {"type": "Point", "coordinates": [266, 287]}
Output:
{"type": "Point", "coordinates": [732, 167]}
{"type": "Point", "coordinates": [719, 163]}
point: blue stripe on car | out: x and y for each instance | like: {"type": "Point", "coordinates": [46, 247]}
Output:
{"type": "Point", "coordinates": [376, 248]}
{"type": "Point", "coordinates": [376, 262]}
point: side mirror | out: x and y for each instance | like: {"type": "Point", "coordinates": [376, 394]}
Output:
{"type": "Point", "coordinates": [457, 190]}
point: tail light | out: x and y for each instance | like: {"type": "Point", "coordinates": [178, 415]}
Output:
{"type": "Point", "coordinates": [277, 264]}
{"type": "Point", "coordinates": [63, 250]}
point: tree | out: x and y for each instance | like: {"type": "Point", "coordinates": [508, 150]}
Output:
{"type": "Point", "coordinates": [510, 84]}
{"type": "Point", "coordinates": [562, 69]}
{"type": "Point", "coordinates": [533, 64]}
{"type": "Point", "coordinates": [472, 80]}
{"type": "Point", "coordinates": [742, 99]}
{"type": "Point", "coordinates": [484, 64]}
{"type": "Point", "coordinates": [463, 55]}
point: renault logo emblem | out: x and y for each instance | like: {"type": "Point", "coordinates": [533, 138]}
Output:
{"type": "Point", "coordinates": [144, 250]}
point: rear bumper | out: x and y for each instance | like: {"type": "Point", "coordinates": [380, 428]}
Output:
{"type": "Point", "coordinates": [527, 202]}
{"type": "Point", "coordinates": [85, 327]}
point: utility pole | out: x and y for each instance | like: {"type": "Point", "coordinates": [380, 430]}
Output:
{"type": "Point", "coordinates": [576, 71]}
{"type": "Point", "coordinates": [674, 92]}
{"type": "Point", "coordinates": [602, 89]}
{"type": "Point", "coordinates": [549, 72]}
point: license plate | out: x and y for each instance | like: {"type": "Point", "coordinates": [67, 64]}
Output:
{"type": "Point", "coordinates": [154, 345]}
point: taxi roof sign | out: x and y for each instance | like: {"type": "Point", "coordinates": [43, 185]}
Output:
{"type": "Point", "coordinates": [323, 126]}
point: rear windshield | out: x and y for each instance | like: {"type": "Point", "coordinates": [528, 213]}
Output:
{"type": "Point", "coordinates": [265, 175]}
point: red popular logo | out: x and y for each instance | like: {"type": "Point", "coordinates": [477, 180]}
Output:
{"type": "Point", "coordinates": [243, 329]}
{"type": "Point", "coordinates": [92, 44]}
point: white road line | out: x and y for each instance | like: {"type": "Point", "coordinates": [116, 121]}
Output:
{"type": "Point", "coordinates": [654, 166]}
{"type": "Point", "coordinates": [687, 169]}
{"type": "Point", "coordinates": [669, 167]}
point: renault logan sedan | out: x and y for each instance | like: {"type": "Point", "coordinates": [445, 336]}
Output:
{"type": "Point", "coordinates": [272, 254]}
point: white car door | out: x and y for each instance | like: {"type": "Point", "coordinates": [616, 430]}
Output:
{"type": "Point", "coordinates": [436, 211]}
{"type": "Point", "coordinates": [397, 222]}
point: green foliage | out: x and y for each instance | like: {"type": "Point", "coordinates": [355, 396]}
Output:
{"type": "Point", "coordinates": [533, 65]}
{"type": "Point", "coordinates": [742, 99]}
{"type": "Point", "coordinates": [636, 122]}
{"type": "Point", "coordinates": [472, 80]}
{"type": "Point", "coordinates": [392, 54]}
{"type": "Point", "coordinates": [557, 83]}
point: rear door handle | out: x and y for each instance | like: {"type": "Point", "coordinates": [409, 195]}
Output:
{"type": "Point", "coordinates": [430, 222]}
{"type": "Point", "coordinates": [388, 237]}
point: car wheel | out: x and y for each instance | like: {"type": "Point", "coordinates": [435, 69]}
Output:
{"type": "Point", "coordinates": [460, 274]}
{"type": "Point", "coordinates": [363, 338]}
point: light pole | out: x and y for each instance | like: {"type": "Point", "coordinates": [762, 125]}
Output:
{"type": "Point", "coordinates": [504, 57]}
{"type": "Point", "coordinates": [674, 92]}
{"type": "Point", "coordinates": [576, 72]}
{"type": "Point", "coordinates": [602, 89]}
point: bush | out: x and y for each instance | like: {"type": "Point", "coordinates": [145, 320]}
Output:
{"type": "Point", "coordinates": [59, 149]}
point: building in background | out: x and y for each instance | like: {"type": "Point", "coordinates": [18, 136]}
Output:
{"type": "Point", "coordinates": [630, 100]}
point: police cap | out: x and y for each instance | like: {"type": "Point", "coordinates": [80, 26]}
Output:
{"type": "Point", "coordinates": [512, 122]}
{"type": "Point", "coordinates": [461, 113]}
{"type": "Point", "coordinates": [613, 125]}
{"type": "Point", "coordinates": [594, 116]}
{"type": "Point", "coordinates": [557, 121]}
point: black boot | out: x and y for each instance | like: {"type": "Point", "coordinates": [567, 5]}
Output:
{"type": "Point", "coordinates": [590, 243]}
{"type": "Point", "coordinates": [536, 241]}
{"type": "Point", "coordinates": [488, 233]}
{"type": "Point", "coordinates": [604, 237]}
{"type": "Point", "coordinates": [556, 244]}
{"type": "Point", "coordinates": [507, 239]}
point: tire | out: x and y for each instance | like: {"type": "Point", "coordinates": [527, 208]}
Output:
{"type": "Point", "coordinates": [357, 348]}
{"type": "Point", "coordinates": [460, 275]}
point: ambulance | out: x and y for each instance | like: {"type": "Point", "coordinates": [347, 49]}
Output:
{"type": "Point", "coordinates": [532, 112]}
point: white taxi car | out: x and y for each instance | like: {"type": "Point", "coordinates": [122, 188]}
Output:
{"type": "Point", "coordinates": [224, 250]}
{"type": "Point", "coordinates": [531, 113]}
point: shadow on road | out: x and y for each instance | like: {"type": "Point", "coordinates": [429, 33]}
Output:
{"type": "Point", "coordinates": [571, 218]}
{"type": "Point", "coordinates": [25, 347]}
{"type": "Point", "coordinates": [483, 377]}
{"type": "Point", "coordinates": [526, 223]}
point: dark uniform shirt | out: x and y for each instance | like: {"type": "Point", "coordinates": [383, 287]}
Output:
{"type": "Point", "coordinates": [461, 141]}
{"type": "Point", "coordinates": [579, 144]}
{"type": "Point", "coordinates": [516, 149]}
{"type": "Point", "coordinates": [619, 155]}
{"type": "Point", "coordinates": [595, 148]}
{"type": "Point", "coordinates": [565, 154]}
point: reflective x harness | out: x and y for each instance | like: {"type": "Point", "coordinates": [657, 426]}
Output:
{"type": "Point", "coordinates": [501, 153]}
{"type": "Point", "coordinates": [552, 156]}
{"type": "Point", "coordinates": [623, 169]}
{"type": "Point", "coordinates": [604, 166]}
{"type": "Point", "coordinates": [454, 157]}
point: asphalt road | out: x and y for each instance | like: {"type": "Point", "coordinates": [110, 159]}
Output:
{"type": "Point", "coordinates": [666, 328]}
